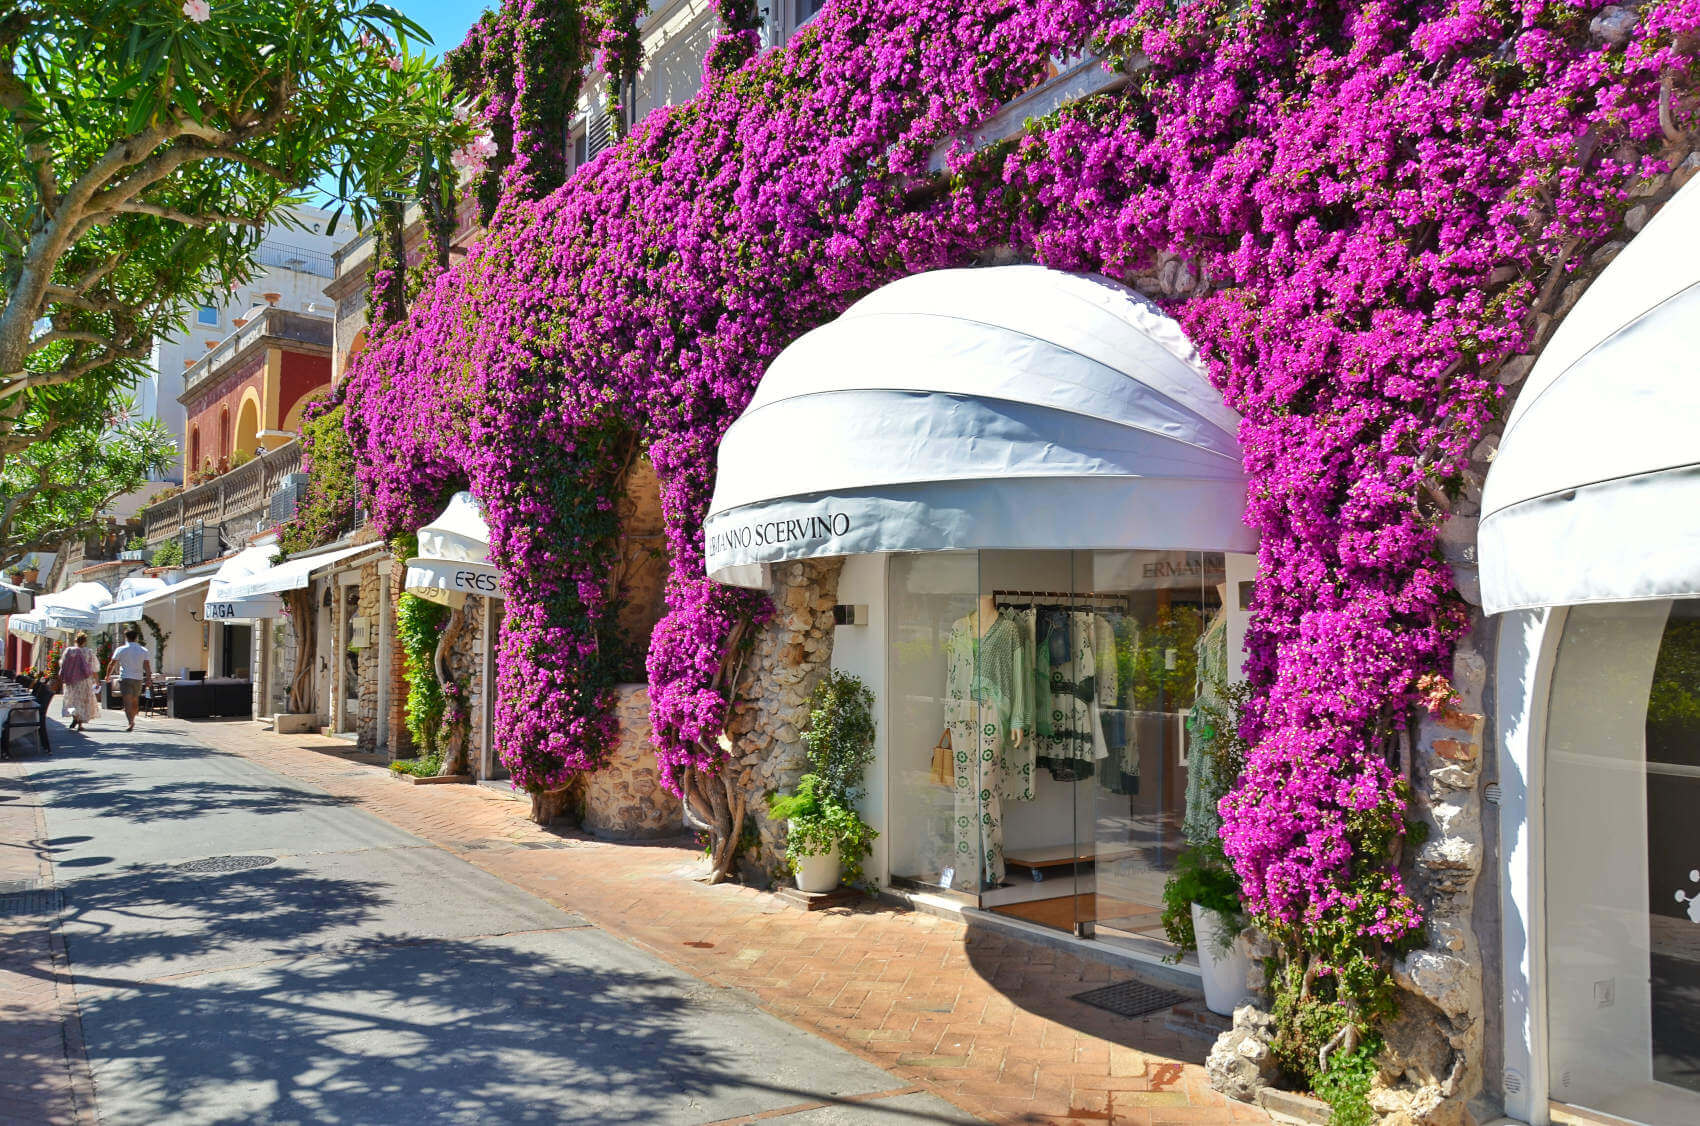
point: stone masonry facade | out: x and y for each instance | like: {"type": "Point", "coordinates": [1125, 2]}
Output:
{"type": "Point", "coordinates": [771, 706]}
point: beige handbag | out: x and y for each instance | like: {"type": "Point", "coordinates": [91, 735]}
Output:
{"type": "Point", "coordinates": [944, 761]}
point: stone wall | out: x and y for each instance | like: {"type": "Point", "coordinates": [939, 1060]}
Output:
{"type": "Point", "coordinates": [771, 708]}
{"type": "Point", "coordinates": [371, 596]}
{"type": "Point", "coordinates": [281, 660]}
{"type": "Point", "coordinates": [625, 800]}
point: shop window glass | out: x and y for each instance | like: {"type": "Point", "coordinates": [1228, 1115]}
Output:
{"type": "Point", "coordinates": [1063, 681]}
{"type": "Point", "coordinates": [1623, 861]}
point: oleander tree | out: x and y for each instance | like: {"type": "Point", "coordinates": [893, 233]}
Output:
{"type": "Point", "coordinates": [145, 147]}
{"type": "Point", "coordinates": [55, 487]}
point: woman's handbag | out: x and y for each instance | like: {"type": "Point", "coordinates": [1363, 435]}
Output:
{"type": "Point", "coordinates": [944, 761]}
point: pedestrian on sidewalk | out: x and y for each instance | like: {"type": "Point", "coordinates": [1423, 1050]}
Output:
{"type": "Point", "coordinates": [134, 669]}
{"type": "Point", "coordinates": [78, 669]}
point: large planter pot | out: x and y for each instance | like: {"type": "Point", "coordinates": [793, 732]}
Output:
{"type": "Point", "coordinates": [1224, 973]}
{"type": "Point", "coordinates": [819, 872]}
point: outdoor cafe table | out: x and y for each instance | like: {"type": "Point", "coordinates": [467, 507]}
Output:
{"type": "Point", "coordinates": [24, 740]}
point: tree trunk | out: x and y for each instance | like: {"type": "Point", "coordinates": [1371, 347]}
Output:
{"type": "Point", "coordinates": [454, 748]}
{"type": "Point", "coordinates": [300, 603]}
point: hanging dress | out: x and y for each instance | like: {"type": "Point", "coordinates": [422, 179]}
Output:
{"type": "Point", "coordinates": [987, 704]}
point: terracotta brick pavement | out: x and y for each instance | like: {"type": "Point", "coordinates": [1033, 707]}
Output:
{"type": "Point", "coordinates": [981, 1019]}
{"type": "Point", "coordinates": [44, 1080]}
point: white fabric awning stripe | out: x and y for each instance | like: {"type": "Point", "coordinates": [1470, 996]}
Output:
{"type": "Point", "coordinates": [454, 552]}
{"type": "Point", "coordinates": [449, 581]}
{"type": "Point", "coordinates": [133, 608]}
{"type": "Point", "coordinates": [74, 608]}
{"type": "Point", "coordinates": [32, 624]}
{"type": "Point", "coordinates": [1594, 493]}
{"type": "Point", "coordinates": [1012, 407]}
{"type": "Point", "coordinates": [292, 574]}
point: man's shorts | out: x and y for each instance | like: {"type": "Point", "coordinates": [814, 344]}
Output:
{"type": "Point", "coordinates": [131, 690]}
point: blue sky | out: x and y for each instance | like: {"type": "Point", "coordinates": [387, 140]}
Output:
{"type": "Point", "coordinates": [446, 20]}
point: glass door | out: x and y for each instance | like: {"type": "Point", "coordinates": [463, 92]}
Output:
{"type": "Point", "coordinates": [1623, 861]}
{"type": "Point", "coordinates": [1163, 635]}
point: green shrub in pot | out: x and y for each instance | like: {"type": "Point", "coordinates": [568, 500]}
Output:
{"type": "Point", "coordinates": [822, 810]}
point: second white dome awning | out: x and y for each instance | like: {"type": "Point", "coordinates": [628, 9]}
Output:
{"type": "Point", "coordinates": [1010, 407]}
{"type": "Point", "coordinates": [454, 553]}
{"type": "Point", "coordinates": [1594, 494]}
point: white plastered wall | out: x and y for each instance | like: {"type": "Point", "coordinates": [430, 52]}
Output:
{"type": "Point", "coordinates": [861, 651]}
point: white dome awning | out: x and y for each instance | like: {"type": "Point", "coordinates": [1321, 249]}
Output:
{"type": "Point", "coordinates": [32, 624]}
{"type": "Point", "coordinates": [454, 553]}
{"type": "Point", "coordinates": [1594, 495]}
{"type": "Point", "coordinates": [74, 608]}
{"type": "Point", "coordinates": [131, 606]}
{"type": "Point", "coordinates": [247, 586]}
{"type": "Point", "coordinates": [1008, 407]}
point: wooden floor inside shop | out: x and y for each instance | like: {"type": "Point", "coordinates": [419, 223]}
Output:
{"type": "Point", "coordinates": [1062, 912]}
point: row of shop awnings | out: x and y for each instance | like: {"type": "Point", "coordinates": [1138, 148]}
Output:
{"type": "Point", "coordinates": [1011, 407]}
{"type": "Point", "coordinates": [453, 562]}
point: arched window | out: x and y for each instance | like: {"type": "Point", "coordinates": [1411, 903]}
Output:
{"type": "Point", "coordinates": [224, 431]}
{"type": "Point", "coordinates": [194, 449]}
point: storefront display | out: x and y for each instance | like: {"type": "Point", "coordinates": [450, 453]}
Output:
{"type": "Point", "coordinates": [1063, 706]}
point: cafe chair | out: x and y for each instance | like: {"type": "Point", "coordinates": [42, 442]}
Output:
{"type": "Point", "coordinates": [25, 718]}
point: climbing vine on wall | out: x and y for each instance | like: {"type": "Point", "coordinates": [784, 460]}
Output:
{"type": "Point", "coordinates": [1372, 204]}
{"type": "Point", "coordinates": [330, 506]}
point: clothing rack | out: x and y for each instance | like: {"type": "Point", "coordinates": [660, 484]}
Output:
{"type": "Point", "coordinates": [1079, 596]}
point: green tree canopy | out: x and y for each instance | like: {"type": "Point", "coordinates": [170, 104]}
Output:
{"type": "Point", "coordinates": [55, 487]}
{"type": "Point", "coordinates": [144, 147]}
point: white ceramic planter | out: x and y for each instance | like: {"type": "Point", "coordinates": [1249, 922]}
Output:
{"type": "Point", "coordinates": [818, 872]}
{"type": "Point", "coordinates": [1224, 973]}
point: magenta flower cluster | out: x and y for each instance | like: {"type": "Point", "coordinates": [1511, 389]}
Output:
{"type": "Point", "coordinates": [1366, 194]}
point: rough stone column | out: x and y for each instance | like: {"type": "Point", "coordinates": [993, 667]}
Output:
{"type": "Point", "coordinates": [366, 722]}
{"type": "Point", "coordinates": [771, 707]}
{"type": "Point", "coordinates": [401, 743]}
{"type": "Point", "coordinates": [624, 800]}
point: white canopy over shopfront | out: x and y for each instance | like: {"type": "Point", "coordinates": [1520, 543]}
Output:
{"type": "Point", "coordinates": [1594, 495]}
{"type": "Point", "coordinates": [454, 554]}
{"type": "Point", "coordinates": [249, 587]}
{"type": "Point", "coordinates": [32, 624]}
{"type": "Point", "coordinates": [132, 604]}
{"type": "Point", "coordinates": [75, 608]}
{"type": "Point", "coordinates": [1008, 407]}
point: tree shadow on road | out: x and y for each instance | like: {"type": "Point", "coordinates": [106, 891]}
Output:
{"type": "Point", "coordinates": [508, 1029]}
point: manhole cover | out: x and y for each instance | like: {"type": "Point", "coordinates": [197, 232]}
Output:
{"type": "Point", "coordinates": [45, 901]}
{"type": "Point", "coordinates": [1130, 998]}
{"type": "Point", "coordinates": [219, 865]}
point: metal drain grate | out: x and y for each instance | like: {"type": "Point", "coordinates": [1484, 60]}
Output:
{"type": "Point", "coordinates": [45, 901]}
{"type": "Point", "coordinates": [1130, 998]}
{"type": "Point", "coordinates": [223, 865]}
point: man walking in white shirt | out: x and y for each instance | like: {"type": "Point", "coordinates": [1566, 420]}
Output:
{"type": "Point", "coordinates": [134, 669]}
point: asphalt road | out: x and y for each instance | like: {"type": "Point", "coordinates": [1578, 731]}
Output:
{"type": "Point", "coordinates": [353, 973]}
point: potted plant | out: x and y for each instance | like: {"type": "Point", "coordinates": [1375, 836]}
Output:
{"type": "Point", "coordinates": [825, 835]}
{"type": "Point", "coordinates": [1202, 906]}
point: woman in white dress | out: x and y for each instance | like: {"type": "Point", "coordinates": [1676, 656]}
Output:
{"type": "Point", "coordinates": [77, 670]}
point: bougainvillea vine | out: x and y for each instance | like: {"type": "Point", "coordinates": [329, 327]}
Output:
{"type": "Point", "coordinates": [1370, 199]}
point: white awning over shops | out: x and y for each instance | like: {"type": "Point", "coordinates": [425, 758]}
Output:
{"type": "Point", "coordinates": [1594, 495]}
{"type": "Point", "coordinates": [74, 608]}
{"type": "Point", "coordinates": [132, 605]}
{"type": "Point", "coordinates": [454, 553]}
{"type": "Point", "coordinates": [32, 624]}
{"type": "Point", "coordinates": [249, 587]}
{"type": "Point", "coordinates": [1007, 407]}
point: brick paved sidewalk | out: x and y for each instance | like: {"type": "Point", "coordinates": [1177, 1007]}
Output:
{"type": "Point", "coordinates": [980, 1019]}
{"type": "Point", "coordinates": [45, 1078]}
